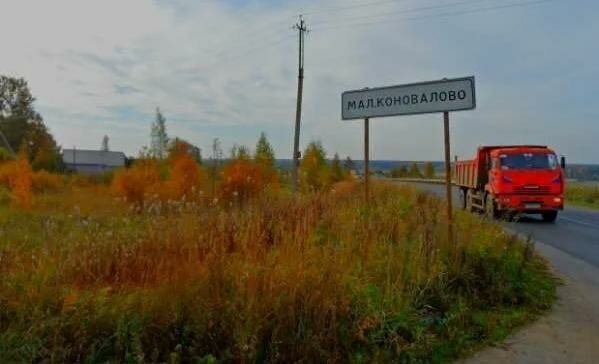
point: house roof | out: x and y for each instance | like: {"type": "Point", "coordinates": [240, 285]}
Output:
{"type": "Point", "coordinates": [95, 157]}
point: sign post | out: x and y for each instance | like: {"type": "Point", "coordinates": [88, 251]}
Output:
{"type": "Point", "coordinates": [417, 98]}
{"type": "Point", "coordinates": [367, 160]}
{"type": "Point", "coordinates": [448, 179]}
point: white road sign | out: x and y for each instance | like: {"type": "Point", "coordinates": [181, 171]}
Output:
{"type": "Point", "coordinates": [416, 98]}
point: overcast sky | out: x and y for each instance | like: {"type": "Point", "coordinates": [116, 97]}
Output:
{"type": "Point", "coordinates": [228, 69]}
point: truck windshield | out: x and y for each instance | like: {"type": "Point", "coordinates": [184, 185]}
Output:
{"type": "Point", "coordinates": [528, 161]}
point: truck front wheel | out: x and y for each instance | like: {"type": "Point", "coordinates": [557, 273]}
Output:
{"type": "Point", "coordinates": [469, 206]}
{"type": "Point", "coordinates": [550, 216]}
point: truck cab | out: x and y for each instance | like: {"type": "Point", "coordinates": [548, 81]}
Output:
{"type": "Point", "coordinates": [513, 179]}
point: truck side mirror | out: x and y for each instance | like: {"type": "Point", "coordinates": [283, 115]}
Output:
{"type": "Point", "coordinates": [563, 162]}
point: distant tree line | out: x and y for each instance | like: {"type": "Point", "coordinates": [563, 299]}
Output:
{"type": "Point", "coordinates": [583, 172]}
{"type": "Point", "coordinates": [414, 171]}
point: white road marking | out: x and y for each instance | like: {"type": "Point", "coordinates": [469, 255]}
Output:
{"type": "Point", "coordinates": [579, 222]}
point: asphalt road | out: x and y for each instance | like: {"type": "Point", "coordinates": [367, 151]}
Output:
{"type": "Point", "coordinates": [576, 231]}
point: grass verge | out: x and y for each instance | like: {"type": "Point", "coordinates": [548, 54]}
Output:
{"type": "Point", "coordinates": [583, 195]}
{"type": "Point", "coordinates": [320, 278]}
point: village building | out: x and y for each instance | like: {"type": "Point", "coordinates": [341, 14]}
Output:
{"type": "Point", "coordinates": [92, 161]}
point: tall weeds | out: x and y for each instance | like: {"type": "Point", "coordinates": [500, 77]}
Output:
{"type": "Point", "coordinates": [18, 176]}
{"type": "Point", "coordinates": [317, 278]}
{"type": "Point", "coordinates": [243, 179]}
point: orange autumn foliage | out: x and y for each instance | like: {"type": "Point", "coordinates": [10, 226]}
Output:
{"type": "Point", "coordinates": [345, 188]}
{"type": "Point", "coordinates": [243, 179]}
{"type": "Point", "coordinates": [137, 182]}
{"type": "Point", "coordinates": [144, 180]}
{"type": "Point", "coordinates": [18, 176]}
{"type": "Point", "coordinates": [45, 181]}
{"type": "Point", "coordinates": [186, 177]}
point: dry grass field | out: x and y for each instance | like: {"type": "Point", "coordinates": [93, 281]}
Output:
{"type": "Point", "coordinates": [152, 266]}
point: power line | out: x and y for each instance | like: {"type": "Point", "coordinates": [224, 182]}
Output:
{"type": "Point", "coordinates": [236, 41]}
{"type": "Point", "coordinates": [439, 15]}
{"type": "Point", "coordinates": [351, 7]}
{"type": "Point", "coordinates": [227, 58]}
{"type": "Point", "coordinates": [237, 45]}
{"type": "Point", "coordinates": [232, 51]}
{"type": "Point", "coordinates": [269, 37]}
{"type": "Point", "coordinates": [241, 35]}
{"type": "Point", "coordinates": [412, 10]}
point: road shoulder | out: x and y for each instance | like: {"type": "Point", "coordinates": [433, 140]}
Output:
{"type": "Point", "coordinates": [567, 334]}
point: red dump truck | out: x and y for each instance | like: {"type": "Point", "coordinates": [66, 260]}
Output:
{"type": "Point", "coordinates": [509, 180]}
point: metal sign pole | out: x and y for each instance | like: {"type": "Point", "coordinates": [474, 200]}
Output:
{"type": "Point", "coordinates": [366, 160]}
{"type": "Point", "coordinates": [448, 179]}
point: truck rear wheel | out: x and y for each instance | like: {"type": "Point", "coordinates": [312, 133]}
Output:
{"type": "Point", "coordinates": [550, 216]}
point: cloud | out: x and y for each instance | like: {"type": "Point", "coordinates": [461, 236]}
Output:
{"type": "Point", "coordinates": [228, 69]}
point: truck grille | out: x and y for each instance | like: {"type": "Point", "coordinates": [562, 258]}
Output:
{"type": "Point", "coordinates": [531, 190]}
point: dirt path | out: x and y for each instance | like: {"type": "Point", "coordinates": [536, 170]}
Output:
{"type": "Point", "coordinates": [569, 333]}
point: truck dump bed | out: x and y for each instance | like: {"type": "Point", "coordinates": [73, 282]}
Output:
{"type": "Point", "coordinates": [466, 174]}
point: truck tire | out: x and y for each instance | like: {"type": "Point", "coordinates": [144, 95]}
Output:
{"type": "Point", "coordinates": [463, 198]}
{"type": "Point", "coordinates": [490, 208]}
{"type": "Point", "coordinates": [510, 216]}
{"type": "Point", "coordinates": [550, 216]}
{"type": "Point", "coordinates": [469, 207]}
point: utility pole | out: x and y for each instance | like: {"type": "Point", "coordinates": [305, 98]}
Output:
{"type": "Point", "coordinates": [302, 29]}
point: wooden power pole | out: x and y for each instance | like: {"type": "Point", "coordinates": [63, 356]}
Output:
{"type": "Point", "coordinates": [302, 29]}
